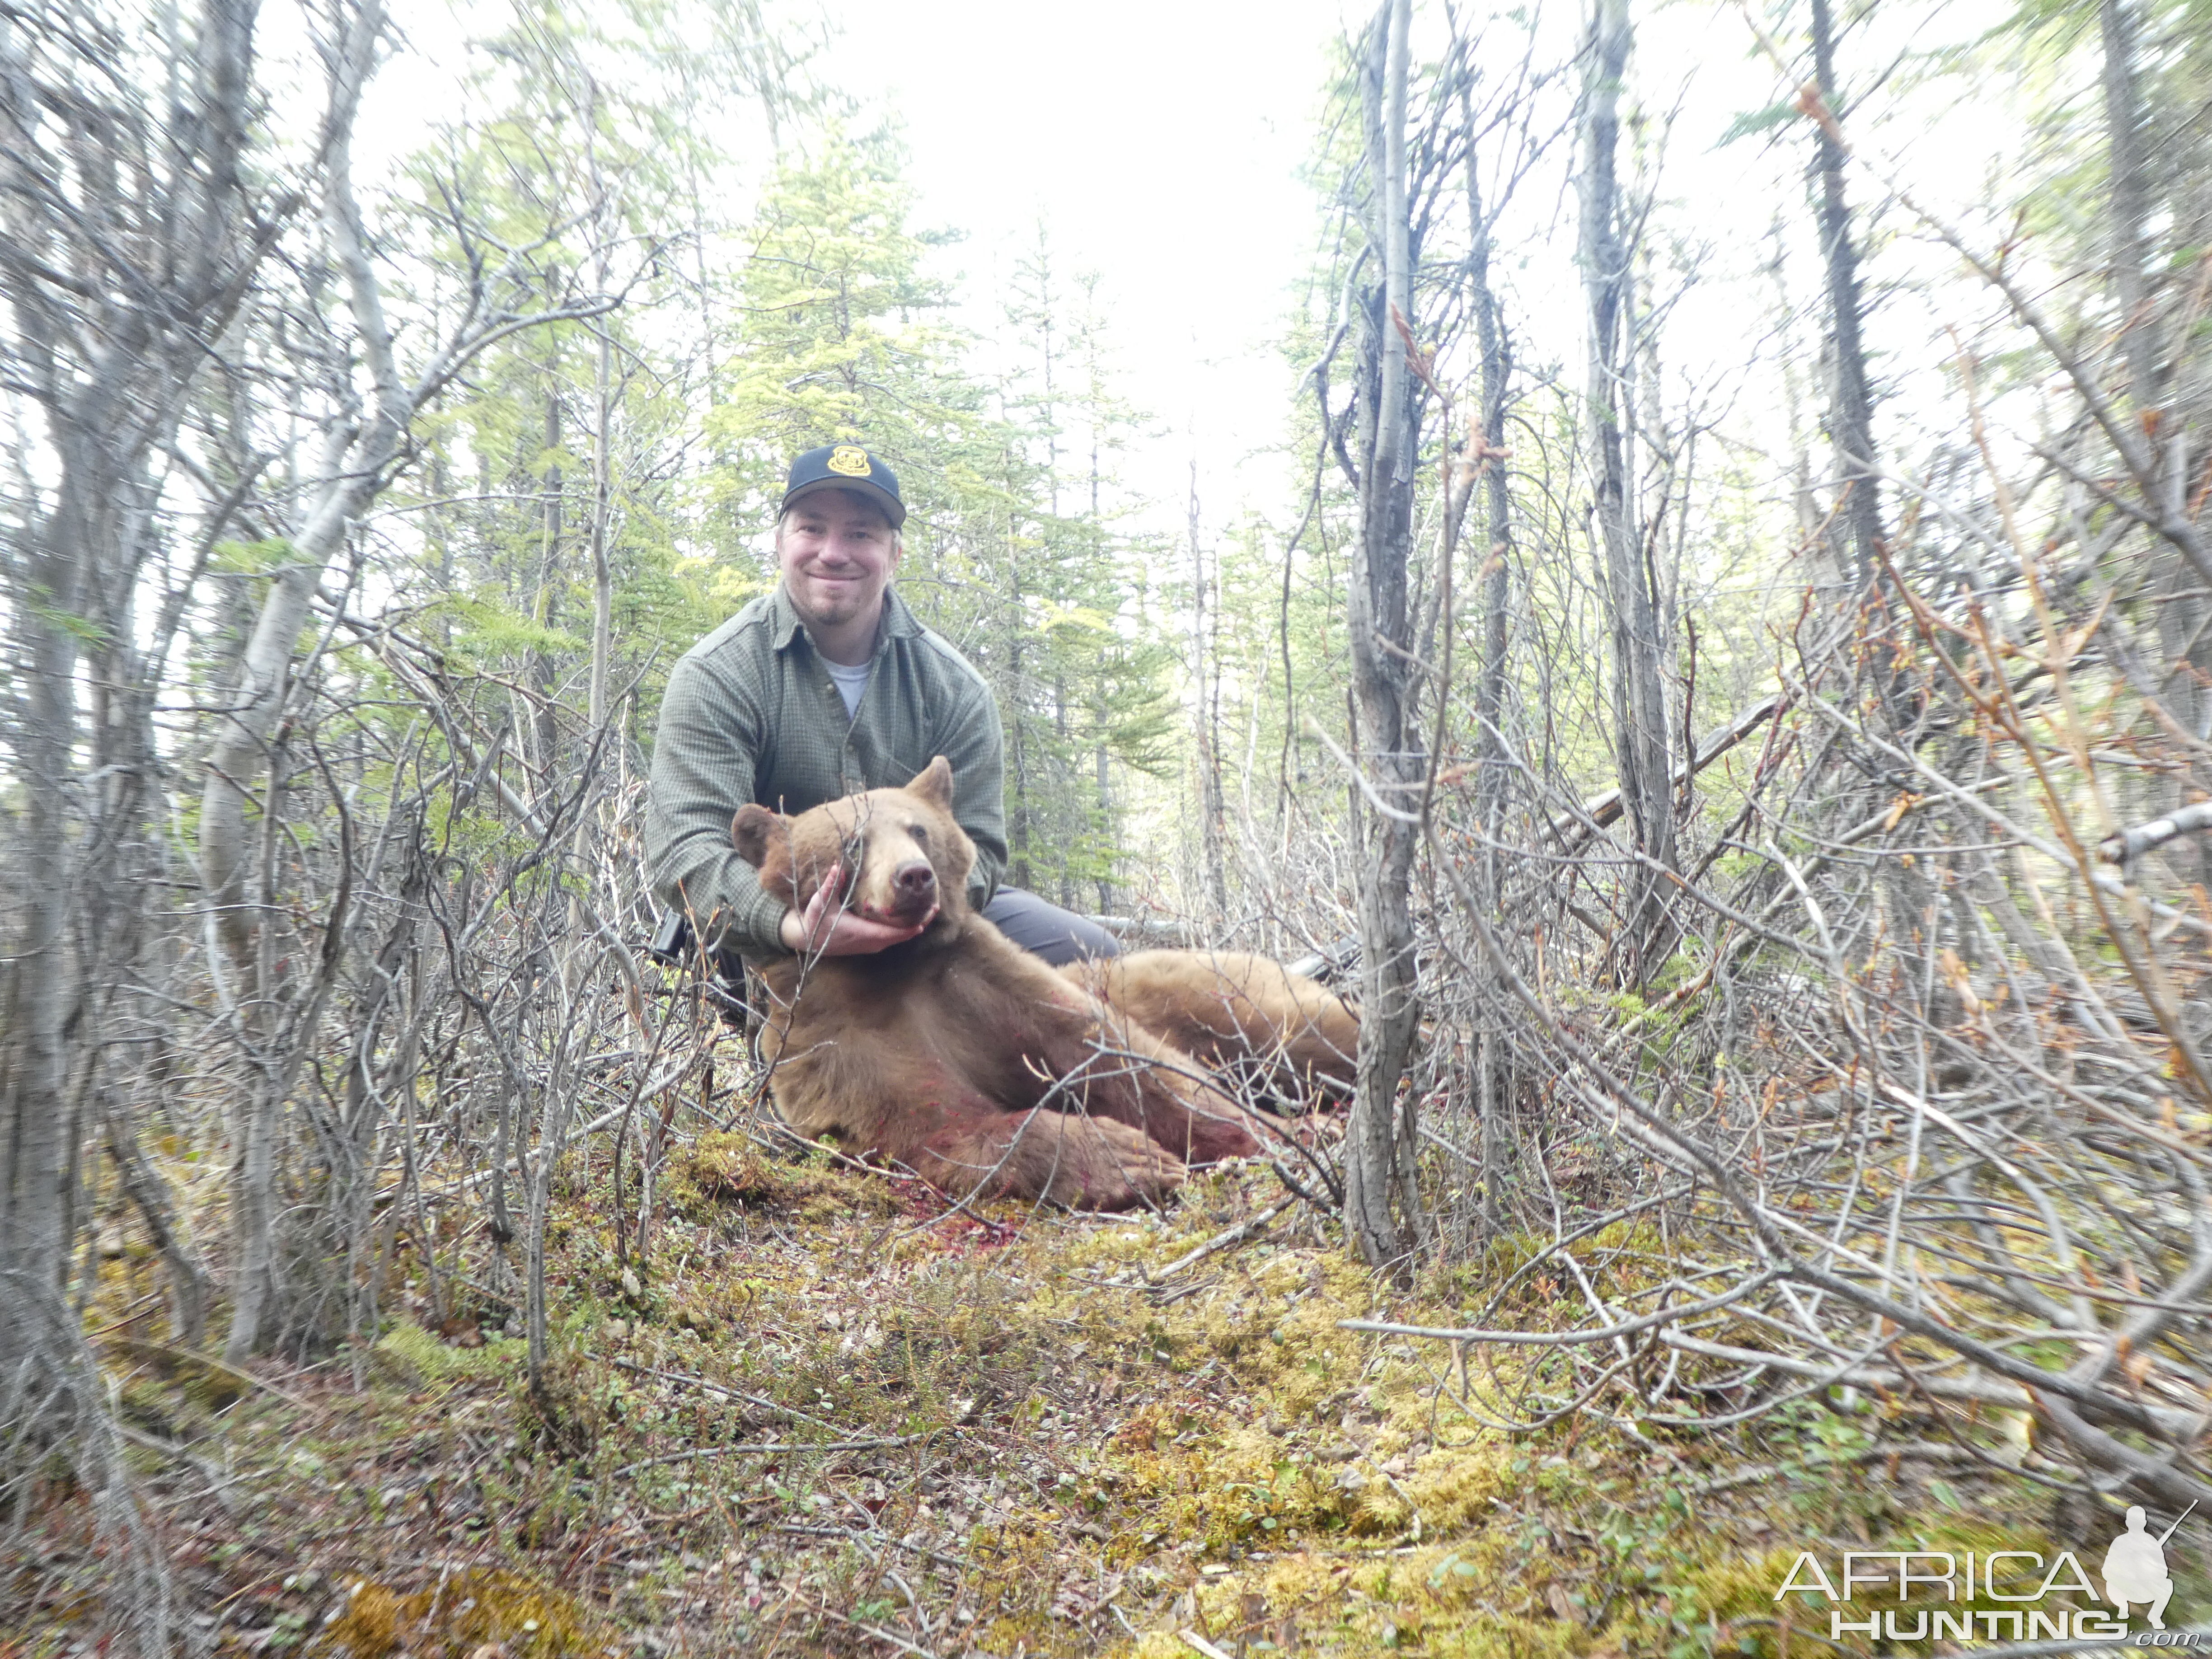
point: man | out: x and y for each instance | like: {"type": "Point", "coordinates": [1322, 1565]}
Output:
{"type": "Point", "coordinates": [822, 688]}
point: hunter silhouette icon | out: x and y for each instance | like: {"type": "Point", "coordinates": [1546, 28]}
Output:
{"type": "Point", "coordinates": [2135, 1568]}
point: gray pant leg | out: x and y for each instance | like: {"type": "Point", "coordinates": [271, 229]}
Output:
{"type": "Point", "coordinates": [1045, 930]}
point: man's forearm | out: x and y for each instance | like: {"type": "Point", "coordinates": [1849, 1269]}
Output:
{"type": "Point", "coordinates": [729, 911]}
{"type": "Point", "coordinates": [703, 772]}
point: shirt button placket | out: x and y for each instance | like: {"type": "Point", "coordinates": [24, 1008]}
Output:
{"type": "Point", "coordinates": [845, 784]}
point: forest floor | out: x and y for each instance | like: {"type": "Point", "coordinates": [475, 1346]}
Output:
{"type": "Point", "coordinates": [824, 1416]}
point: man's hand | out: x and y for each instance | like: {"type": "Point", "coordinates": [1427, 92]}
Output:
{"type": "Point", "coordinates": [827, 928]}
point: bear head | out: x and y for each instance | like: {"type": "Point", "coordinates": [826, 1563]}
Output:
{"type": "Point", "coordinates": [904, 855]}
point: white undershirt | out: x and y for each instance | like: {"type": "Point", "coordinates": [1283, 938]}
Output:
{"type": "Point", "coordinates": [850, 684]}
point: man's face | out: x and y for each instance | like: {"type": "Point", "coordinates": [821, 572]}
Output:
{"type": "Point", "coordinates": [836, 552]}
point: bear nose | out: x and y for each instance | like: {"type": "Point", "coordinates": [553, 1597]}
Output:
{"type": "Point", "coordinates": [916, 879]}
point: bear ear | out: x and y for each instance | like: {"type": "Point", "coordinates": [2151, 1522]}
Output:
{"type": "Point", "coordinates": [756, 830]}
{"type": "Point", "coordinates": [935, 783]}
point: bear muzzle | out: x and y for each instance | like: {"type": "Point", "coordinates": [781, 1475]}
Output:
{"type": "Point", "coordinates": [910, 900]}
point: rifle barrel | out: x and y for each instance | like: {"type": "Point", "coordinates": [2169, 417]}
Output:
{"type": "Point", "coordinates": [2176, 1527]}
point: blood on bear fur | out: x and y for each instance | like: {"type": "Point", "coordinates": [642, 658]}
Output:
{"type": "Point", "coordinates": [958, 1053]}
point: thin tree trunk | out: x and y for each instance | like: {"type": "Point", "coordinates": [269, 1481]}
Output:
{"type": "Point", "coordinates": [603, 580]}
{"type": "Point", "coordinates": [1494, 777]}
{"type": "Point", "coordinates": [603, 583]}
{"type": "Point", "coordinates": [1852, 417]}
{"type": "Point", "coordinates": [253, 1182]}
{"type": "Point", "coordinates": [542, 729]}
{"type": "Point", "coordinates": [1212, 813]}
{"type": "Point", "coordinates": [1105, 821]}
{"type": "Point", "coordinates": [569, 973]}
{"type": "Point", "coordinates": [189, 1285]}
{"type": "Point", "coordinates": [1068, 811]}
{"type": "Point", "coordinates": [1019, 818]}
{"type": "Point", "coordinates": [34, 1158]}
{"type": "Point", "coordinates": [1905, 888]}
{"type": "Point", "coordinates": [1382, 1205]}
{"type": "Point", "coordinates": [1639, 702]}
{"type": "Point", "coordinates": [2130, 197]}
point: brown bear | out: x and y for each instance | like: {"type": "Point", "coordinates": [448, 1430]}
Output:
{"type": "Point", "coordinates": [957, 1054]}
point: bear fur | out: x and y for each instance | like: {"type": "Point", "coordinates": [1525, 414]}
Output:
{"type": "Point", "coordinates": [1238, 1013]}
{"type": "Point", "coordinates": [958, 1053]}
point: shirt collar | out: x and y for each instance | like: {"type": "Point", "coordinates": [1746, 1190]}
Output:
{"type": "Point", "coordinates": [898, 623]}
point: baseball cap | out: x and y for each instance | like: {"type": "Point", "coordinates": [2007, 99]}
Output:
{"type": "Point", "coordinates": [845, 466]}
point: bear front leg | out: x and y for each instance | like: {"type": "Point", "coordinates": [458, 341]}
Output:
{"type": "Point", "coordinates": [1058, 1157]}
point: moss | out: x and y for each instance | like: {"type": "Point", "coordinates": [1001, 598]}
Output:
{"type": "Point", "coordinates": [408, 1354]}
{"type": "Point", "coordinates": [1458, 1490]}
{"type": "Point", "coordinates": [204, 1381]}
{"type": "Point", "coordinates": [459, 1614]}
{"type": "Point", "coordinates": [727, 1167]}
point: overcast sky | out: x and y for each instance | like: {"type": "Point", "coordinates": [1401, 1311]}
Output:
{"type": "Point", "coordinates": [1161, 141]}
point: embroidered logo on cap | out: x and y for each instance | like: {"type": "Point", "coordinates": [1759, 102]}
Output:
{"type": "Point", "coordinates": [850, 460]}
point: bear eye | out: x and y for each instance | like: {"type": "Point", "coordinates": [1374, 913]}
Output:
{"type": "Point", "coordinates": [920, 834]}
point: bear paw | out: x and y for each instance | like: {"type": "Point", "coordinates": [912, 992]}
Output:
{"type": "Point", "coordinates": [1114, 1168]}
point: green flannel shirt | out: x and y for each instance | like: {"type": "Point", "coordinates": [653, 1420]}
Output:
{"type": "Point", "coordinates": [750, 714]}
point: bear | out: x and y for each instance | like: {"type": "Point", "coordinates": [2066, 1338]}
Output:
{"type": "Point", "coordinates": [957, 1054]}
